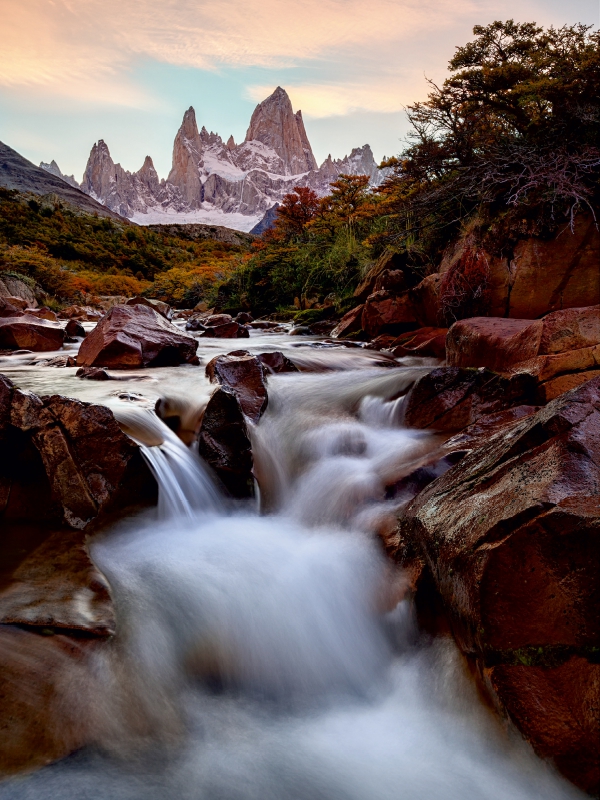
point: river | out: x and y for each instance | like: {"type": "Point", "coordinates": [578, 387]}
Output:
{"type": "Point", "coordinates": [265, 650]}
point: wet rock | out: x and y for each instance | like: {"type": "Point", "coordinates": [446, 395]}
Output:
{"type": "Point", "coordinates": [135, 336]}
{"type": "Point", "coordinates": [164, 309]}
{"type": "Point", "coordinates": [75, 328]}
{"type": "Point", "coordinates": [30, 333]}
{"type": "Point", "coordinates": [243, 318]}
{"type": "Point", "coordinates": [56, 361]}
{"type": "Point", "coordinates": [427, 342]}
{"type": "Point", "coordinates": [449, 398]}
{"type": "Point", "coordinates": [276, 362]}
{"type": "Point", "coordinates": [43, 313]}
{"type": "Point", "coordinates": [228, 330]}
{"type": "Point", "coordinates": [426, 301]}
{"type": "Point", "coordinates": [493, 342]}
{"type": "Point", "coordinates": [94, 374]}
{"type": "Point", "coordinates": [554, 388]}
{"type": "Point", "coordinates": [322, 328]}
{"type": "Point", "coordinates": [224, 443]}
{"type": "Point", "coordinates": [243, 374]}
{"type": "Point", "coordinates": [81, 312]}
{"type": "Point", "coordinates": [350, 323]}
{"type": "Point", "coordinates": [571, 329]}
{"type": "Point", "coordinates": [65, 459]}
{"type": "Point", "coordinates": [17, 302]}
{"type": "Point", "coordinates": [510, 538]}
{"type": "Point", "coordinates": [195, 324]}
{"type": "Point", "coordinates": [264, 324]}
{"type": "Point", "coordinates": [300, 330]}
{"type": "Point", "coordinates": [385, 312]}
{"type": "Point", "coordinates": [45, 694]}
{"type": "Point", "coordinates": [214, 320]}
{"type": "Point", "coordinates": [556, 708]}
{"type": "Point", "coordinates": [57, 586]}
{"type": "Point", "coordinates": [9, 309]}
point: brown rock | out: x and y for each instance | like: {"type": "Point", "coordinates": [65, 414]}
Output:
{"type": "Point", "coordinates": [43, 313]}
{"type": "Point", "coordinates": [223, 442]}
{"type": "Point", "coordinates": [510, 536]}
{"type": "Point", "coordinates": [10, 309]}
{"type": "Point", "coordinates": [45, 685]}
{"type": "Point", "coordinates": [229, 330]}
{"type": "Point", "coordinates": [135, 336]}
{"type": "Point", "coordinates": [94, 374]}
{"type": "Point", "coordinates": [264, 324]}
{"type": "Point", "coordinates": [213, 320]}
{"type": "Point", "coordinates": [492, 342]}
{"type": "Point", "coordinates": [551, 275]}
{"type": "Point", "coordinates": [429, 342]}
{"type": "Point", "coordinates": [81, 312]}
{"type": "Point", "coordinates": [66, 459]}
{"type": "Point", "coordinates": [426, 302]}
{"type": "Point", "coordinates": [164, 309]}
{"type": "Point", "coordinates": [449, 398]}
{"type": "Point", "coordinates": [243, 374]}
{"type": "Point", "coordinates": [243, 318]}
{"type": "Point", "coordinates": [75, 328]}
{"type": "Point", "coordinates": [350, 323]}
{"type": "Point", "coordinates": [385, 312]}
{"type": "Point", "coordinates": [18, 302]}
{"type": "Point", "coordinates": [556, 707]}
{"type": "Point", "coordinates": [277, 362]}
{"type": "Point", "coordinates": [29, 333]}
{"type": "Point", "coordinates": [57, 586]}
{"type": "Point", "coordinates": [571, 329]}
{"type": "Point", "coordinates": [557, 386]}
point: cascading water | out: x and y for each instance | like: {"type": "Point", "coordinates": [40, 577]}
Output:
{"type": "Point", "coordinates": [272, 657]}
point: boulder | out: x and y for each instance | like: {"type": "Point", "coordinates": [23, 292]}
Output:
{"type": "Point", "coordinates": [135, 336]}
{"type": "Point", "coordinates": [449, 398]}
{"type": "Point", "coordinates": [81, 312]}
{"type": "Point", "coordinates": [548, 275]}
{"type": "Point", "coordinates": [93, 374]}
{"type": "Point", "coordinates": [9, 309]}
{"type": "Point", "coordinates": [228, 330]}
{"type": "Point", "coordinates": [18, 302]}
{"type": "Point", "coordinates": [426, 302]}
{"type": "Point", "coordinates": [493, 342]}
{"type": "Point", "coordinates": [27, 332]}
{"type": "Point", "coordinates": [10, 286]}
{"type": "Point", "coordinates": [224, 443]}
{"type": "Point", "coordinates": [510, 538]}
{"type": "Point", "coordinates": [75, 328]}
{"type": "Point", "coordinates": [43, 313]}
{"type": "Point", "coordinates": [429, 342]}
{"type": "Point", "coordinates": [243, 374]}
{"type": "Point", "coordinates": [276, 362]}
{"type": "Point", "coordinates": [264, 324]}
{"type": "Point", "coordinates": [195, 324]}
{"type": "Point", "coordinates": [572, 329]}
{"type": "Point", "coordinates": [45, 697]}
{"type": "Point", "coordinates": [244, 317]}
{"type": "Point", "coordinates": [213, 320]}
{"type": "Point", "coordinates": [164, 309]}
{"type": "Point", "coordinates": [385, 312]}
{"type": "Point", "coordinates": [64, 459]}
{"type": "Point", "coordinates": [349, 324]}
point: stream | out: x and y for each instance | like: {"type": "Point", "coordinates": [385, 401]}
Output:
{"type": "Point", "coordinates": [265, 650]}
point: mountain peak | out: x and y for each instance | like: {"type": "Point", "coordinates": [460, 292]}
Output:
{"type": "Point", "coordinates": [274, 124]}
{"type": "Point", "coordinates": [189, 126]}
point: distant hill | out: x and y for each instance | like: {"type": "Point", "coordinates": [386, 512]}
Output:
{"type": "Point", "coordinates": [197, 232]}
{"type": "Point", "coordinates": [16, 172]}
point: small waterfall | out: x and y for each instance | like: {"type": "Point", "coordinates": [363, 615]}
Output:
{"type": "Point", "coordinates": [186, 488]}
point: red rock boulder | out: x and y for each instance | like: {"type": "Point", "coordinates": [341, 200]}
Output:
{"type": "Point", "coordinates": [243, 374]}
{"type": "Point", "coordinates": [350, 323]}
{"type": "Point", "coordinates": [164, 309]}
{"type": "Point", "coordinates": [27, 332]}
{"type": "Point", "coordinates": [227, 330]}
{"type": "Point", "coordinates": [449, 398]}
{"type": "Point", "coordinates": [429, 342]}
{"type": "Point", "coordinates": [510, 536]}
{"type": "Point", "coordinates": [385, 312]}
{"type": "Point", "coordinates": [276, 362]}
{"type": "Point", "coordinates": [135, 336]}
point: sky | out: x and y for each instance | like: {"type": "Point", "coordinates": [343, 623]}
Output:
{"type": "Point", "coordinates": [75, 71]}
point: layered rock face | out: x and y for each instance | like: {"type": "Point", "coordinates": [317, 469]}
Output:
{"type": "Point", "coordinates": [509, 537]}
{"type": "Point", "coordinates": [210, 174]}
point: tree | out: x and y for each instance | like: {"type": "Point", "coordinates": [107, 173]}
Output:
{"type": "Point", "coordinates": [296, 210]}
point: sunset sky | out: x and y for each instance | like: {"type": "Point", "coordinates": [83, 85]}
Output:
{"type": "Point", "coordinates": [74, 71]}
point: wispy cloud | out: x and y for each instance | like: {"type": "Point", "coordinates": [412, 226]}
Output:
{"type": "Point", "coordinates": [83, 48]}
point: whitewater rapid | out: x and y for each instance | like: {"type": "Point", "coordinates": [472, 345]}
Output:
{"type": "Point", "coordinates": [267, 650]}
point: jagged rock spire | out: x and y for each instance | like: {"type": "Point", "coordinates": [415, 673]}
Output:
{"type": "Point", "coordinates": [274, 123]}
